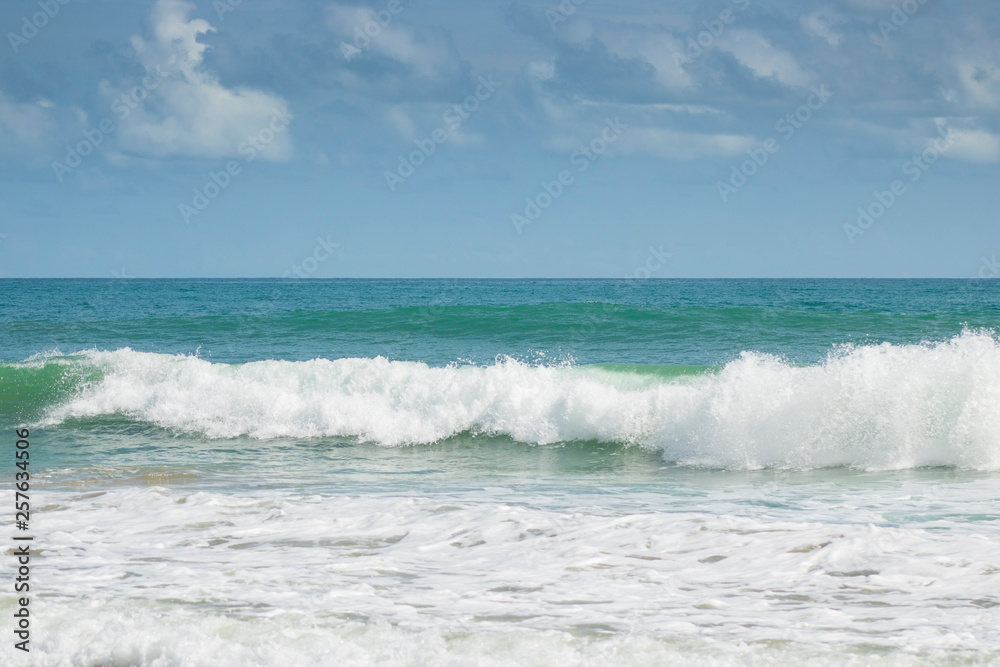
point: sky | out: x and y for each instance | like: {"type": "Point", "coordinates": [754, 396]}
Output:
{"type": "Point", "coordinates": [497, 139]}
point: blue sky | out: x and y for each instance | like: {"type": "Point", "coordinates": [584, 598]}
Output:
{"type": "Point", "coordinates": [433, 138]}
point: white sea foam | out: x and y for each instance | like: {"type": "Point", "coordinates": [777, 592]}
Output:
{"type": "Point", "coordinates": [158, 576]}
{"type": "Point", "coordinates": [875, 407]}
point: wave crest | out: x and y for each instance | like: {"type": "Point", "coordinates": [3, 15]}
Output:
{"type": "Point", "coordinates": [872, 407]}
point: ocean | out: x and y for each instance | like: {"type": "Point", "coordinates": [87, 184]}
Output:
{"type": "Point", "coordinates": [505, 472]}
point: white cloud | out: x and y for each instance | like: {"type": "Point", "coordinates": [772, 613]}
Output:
{"type": "Point", "coordinates": [968, 141]}
{"type": "Point", "coordinates": [663, 143]}
{"type": "Point", "coordinates": [687, 109]}
{"type": "Point", "coordinates": [873, 5]}
{"type": "Point", "coordinates": [363, 32]}
{"type": "Point", "coordinates": [658, 142]}
{"type": "Point", "coordinates": [24, 124]}
{"type": "Point", "coordinates": [820, 23]}
{"type": "Point", "coordinates": [658, 48]}
{"type": "Point", "coordinates": [976, 146]}
{"type": "Point", "coordinates": [541, 70]}
{"type": "Point", "coordinates": [762, 58]}
{"type": "Point", "coordinates": [980, 80]}
{"type": "Point", "coordinates": [188, 113]}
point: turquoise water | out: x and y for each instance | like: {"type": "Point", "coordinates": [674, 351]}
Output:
{"type": "Point", "coordinates": [509, 472]}
{"type": "Point", "coordinates": [663, 322]}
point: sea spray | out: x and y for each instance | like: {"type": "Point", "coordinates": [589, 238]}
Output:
{"type": "Point", "coordinates": [872, 407]}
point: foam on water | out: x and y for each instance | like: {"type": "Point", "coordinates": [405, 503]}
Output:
{"type": "Point", "coordinates": [109, 636]}
{"type": "Point", "coordinates": [875, 407]}
{"type": "Point", "coordinates": [158, 576]}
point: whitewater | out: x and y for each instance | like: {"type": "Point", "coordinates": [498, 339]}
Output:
{"type": "Point", "coordinates": [876, 407]}
{"type": "Point", "coordinates": [234, 473]}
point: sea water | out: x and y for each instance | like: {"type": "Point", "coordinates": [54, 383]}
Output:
{"type": "Point", "coordinates": [258, 472]}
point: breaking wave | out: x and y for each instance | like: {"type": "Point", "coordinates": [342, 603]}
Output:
{"type": "Point", "coordinates": [871, 407]}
